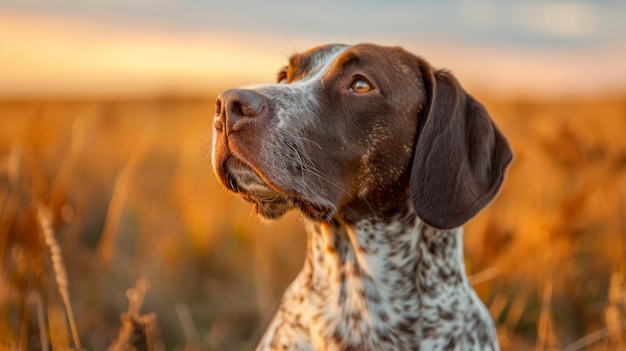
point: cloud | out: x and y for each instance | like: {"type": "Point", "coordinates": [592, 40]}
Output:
{"type": "Point", "coordinates": [79, 55]}
{"type": "Point", "coordinates": [559, 19]}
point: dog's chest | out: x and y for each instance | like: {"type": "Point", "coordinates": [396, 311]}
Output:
{"type": "Point", "coordinates": [376, 286]}
{"type": "Point", "coordinates": [359, 288]}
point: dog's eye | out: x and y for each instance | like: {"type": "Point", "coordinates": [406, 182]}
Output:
{"type": "Point", "coordinates": [360, 85]}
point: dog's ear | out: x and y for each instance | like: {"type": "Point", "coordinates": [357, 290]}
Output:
{"type": "Point", "coordinates": [460, 155]}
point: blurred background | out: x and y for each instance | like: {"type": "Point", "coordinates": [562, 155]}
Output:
{"type": "Point", "coordinates": [114, 233]}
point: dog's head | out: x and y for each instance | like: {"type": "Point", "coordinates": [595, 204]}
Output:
{"type": "Point", "coordinates": [348, 131]}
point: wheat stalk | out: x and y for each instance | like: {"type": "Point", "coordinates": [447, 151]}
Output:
{"type": "Point", "coordinates": [133, 323]}
{"type": "Point", "coordinates": [60, 273]}
{"type": "Point", "coordinates": [35, 300]}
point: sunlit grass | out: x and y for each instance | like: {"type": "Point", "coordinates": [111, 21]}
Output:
{"type": "Point", "coordinates": [134, 204]}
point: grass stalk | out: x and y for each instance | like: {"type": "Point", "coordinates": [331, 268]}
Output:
{"type": "Point", "coordinates": [60, 273]}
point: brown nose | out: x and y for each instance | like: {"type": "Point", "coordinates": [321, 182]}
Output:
{"type": "Point", "coordinates": [235, 108]}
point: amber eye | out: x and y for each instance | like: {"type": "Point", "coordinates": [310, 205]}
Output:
{"type": "Point", "coordinates": [360, 85]}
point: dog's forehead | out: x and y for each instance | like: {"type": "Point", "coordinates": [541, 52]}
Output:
{"type": "Point", "coordinates": [323, 53]}
{"type": "Point", "coordinates": [385, 61]}
{"type": "Point", "coordinates": [319, 55]}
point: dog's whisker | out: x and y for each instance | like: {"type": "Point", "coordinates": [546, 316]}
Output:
{"type": "Point", "coordinates": [308, 140]}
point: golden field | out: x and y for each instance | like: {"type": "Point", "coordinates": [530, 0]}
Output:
{"type": "Point", "coordinates": [115, 234]}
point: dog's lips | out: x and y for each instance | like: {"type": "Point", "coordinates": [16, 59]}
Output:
{"type": "Point", "coordinates": [270, 200]}
{"type": "Point", "coordinates": [242, 178]}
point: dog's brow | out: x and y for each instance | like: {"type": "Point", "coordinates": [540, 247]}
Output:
{"type": "Point", "coordinates": [345, 61]}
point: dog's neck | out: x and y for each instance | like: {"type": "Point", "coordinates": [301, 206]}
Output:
{"type": "Point", "coordinates": [398, 279]}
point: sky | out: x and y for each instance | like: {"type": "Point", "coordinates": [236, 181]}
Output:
{"type": "Point", "coordinates": [72, 47]}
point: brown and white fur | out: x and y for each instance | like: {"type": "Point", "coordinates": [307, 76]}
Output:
{"type": "Point", "coordinates": [386, 157]}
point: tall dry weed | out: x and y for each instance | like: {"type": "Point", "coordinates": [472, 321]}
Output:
{"type": "Point", "coordinates": [58, 268]}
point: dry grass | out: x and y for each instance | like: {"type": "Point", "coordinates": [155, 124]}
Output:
{"type": "Point", "coordinates": [100, 196]}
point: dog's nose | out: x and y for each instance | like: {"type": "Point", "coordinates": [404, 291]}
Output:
{"type": "Point", "coordinates": [234, 108]}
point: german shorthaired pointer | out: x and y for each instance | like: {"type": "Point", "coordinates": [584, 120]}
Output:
{"type": "Point", "coordinates": [386, 157]}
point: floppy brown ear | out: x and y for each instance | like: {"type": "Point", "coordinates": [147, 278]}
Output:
{"type": "Point", "coordinates": [460, 155]}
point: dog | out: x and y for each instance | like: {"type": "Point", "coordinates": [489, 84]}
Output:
{"type": "Point", "coordinates": [386, 158]}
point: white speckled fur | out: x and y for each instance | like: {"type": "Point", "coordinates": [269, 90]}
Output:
{"type": "Point", "coordinates": [383, 278]}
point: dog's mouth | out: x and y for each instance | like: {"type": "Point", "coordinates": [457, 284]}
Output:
{"type": "Point", "coordinates": [270, 200]}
